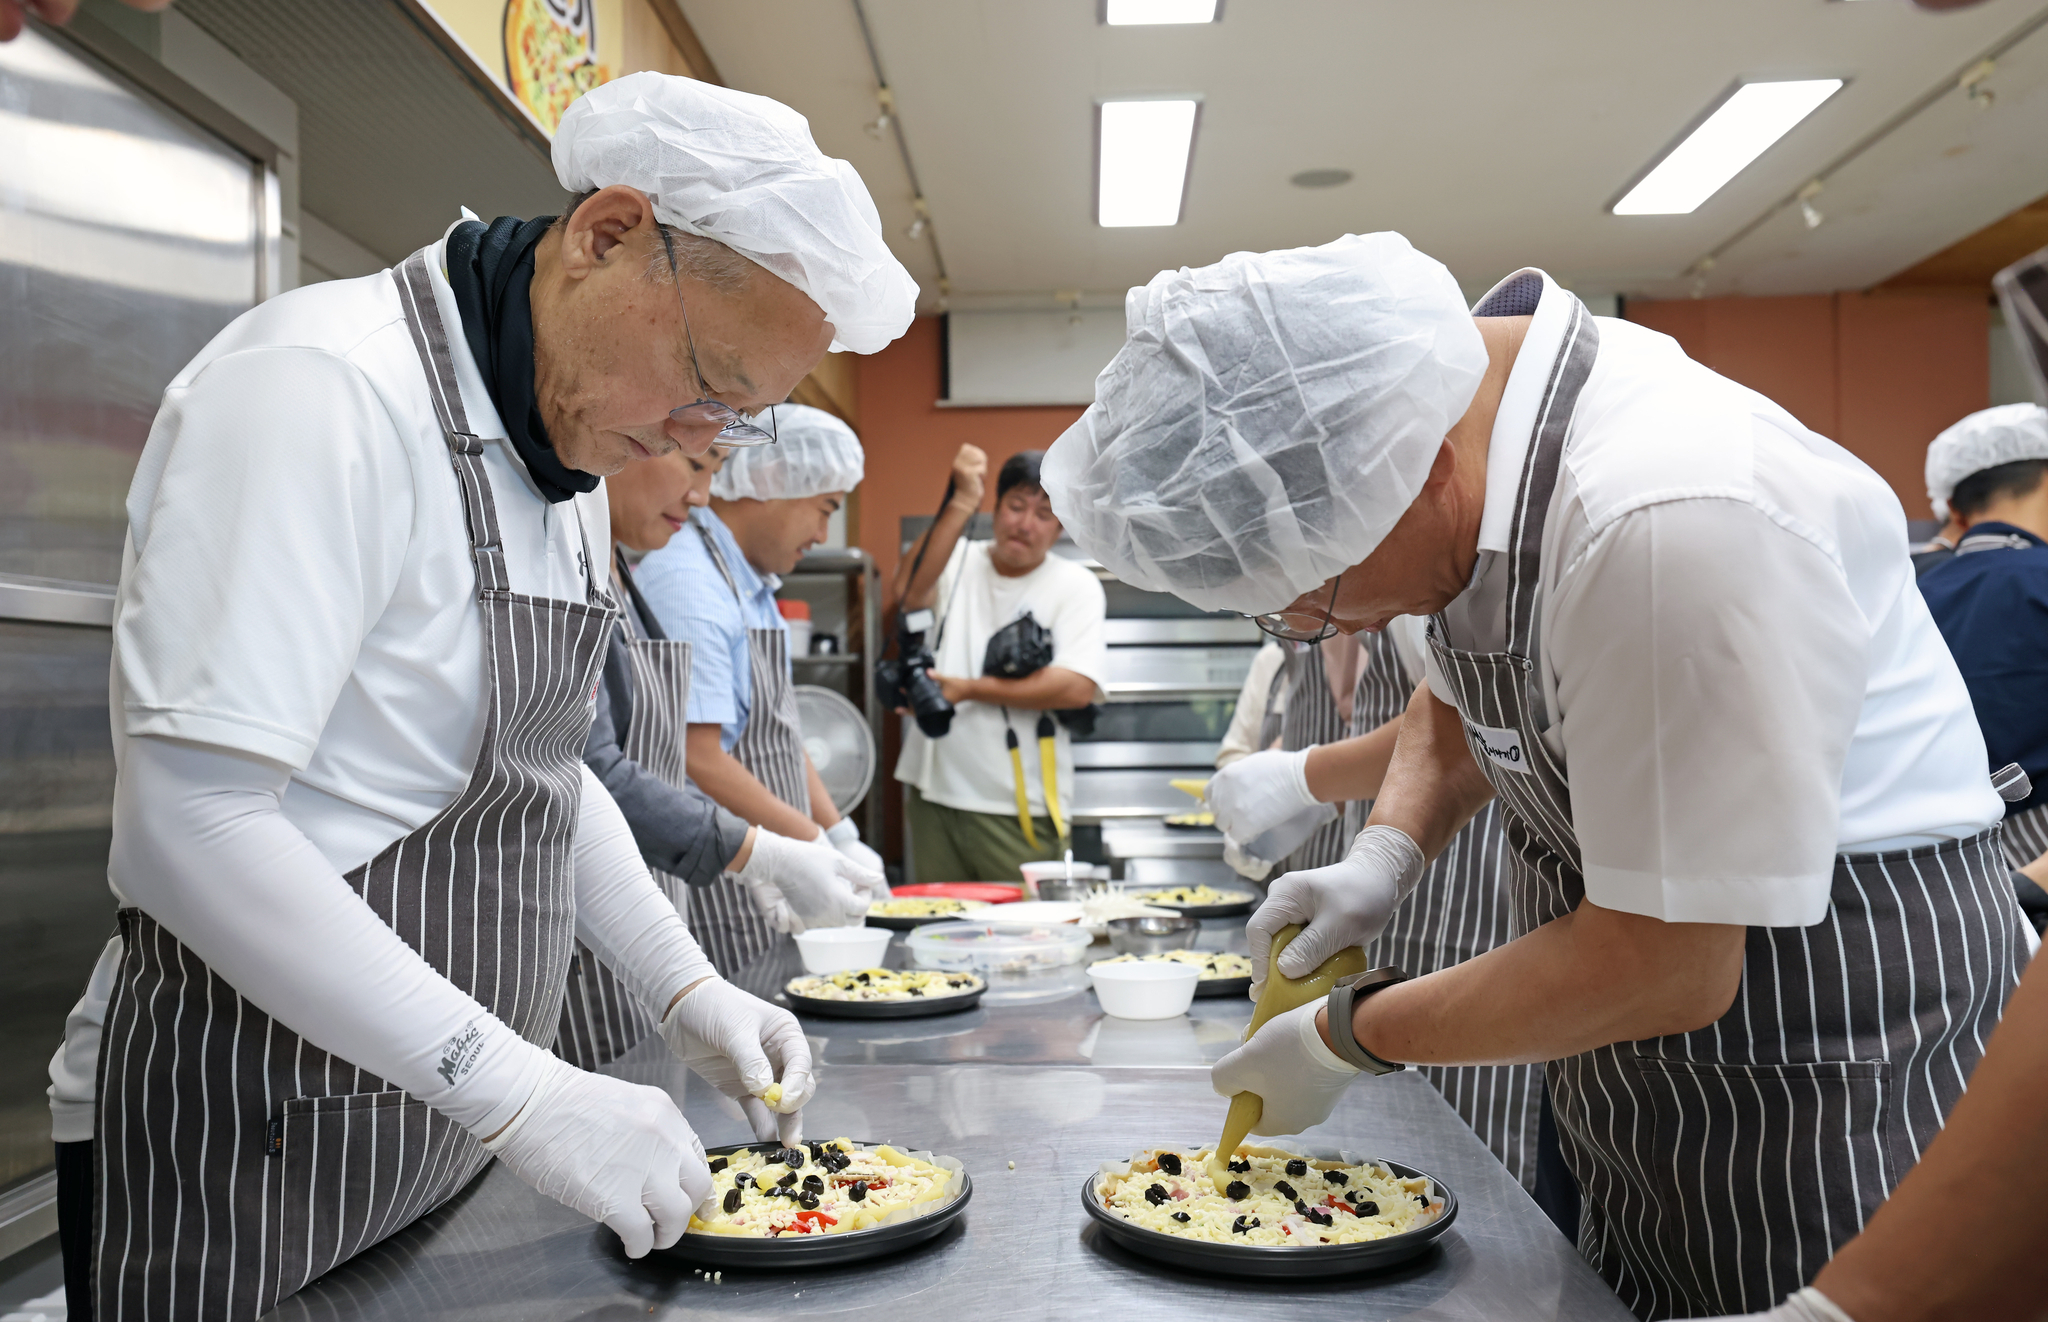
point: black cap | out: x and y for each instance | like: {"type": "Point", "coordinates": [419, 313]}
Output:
{"type": "Point", "coordinates": [1019, 470]}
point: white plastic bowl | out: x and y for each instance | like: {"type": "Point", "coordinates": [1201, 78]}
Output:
{"type": "Point", "coordinates": [1145, 990]}
{"type": "Point", "coordinates": [831, 949]}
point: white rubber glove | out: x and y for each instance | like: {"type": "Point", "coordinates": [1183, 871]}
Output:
{"type": "Point", "coordinates": [1246, 865]}
{"type": "Point", "coordinates": [618, 1152]}
{"type": "Point", "coordinates": [1286, 1064]}
{"type": "Point", "coordinates": [845, 838]}
{"type": "Point", "coordinates": [1259, 791]}
{"type": "Point", "coordinates": [1343, 905]}
{"type": "Point", "coordinates": [740, 1044]}
{"type": "Point", "coordinates": [799, 884]}
{"type": "Point", "coordinates": [1809, 1305]}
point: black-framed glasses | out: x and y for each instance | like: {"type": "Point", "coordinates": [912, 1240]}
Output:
{"type": "Point", "coordinates": [734, 428]}
{"type": "Point", "coordinates": [1301, 626]}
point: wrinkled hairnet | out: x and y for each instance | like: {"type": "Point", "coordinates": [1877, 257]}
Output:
{"type": "Point", "coordinates": [1985, 439]}
{"type": "Point", "coordinates": [1268, 419]}
{"type": "Point", "coordinates": [743, 170]}
{"type": "Point", "coordinates": [814, 453]}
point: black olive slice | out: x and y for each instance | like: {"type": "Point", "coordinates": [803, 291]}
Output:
{"type": "Point", "coordinates": [1285, 1189]}
{"type": "Point", "coordinates": [1182, 1216]}
{"type": "Point", "coordinates": [1244, 1223]}
{"type": "Point", "coordinates": [1156, 1194]}
{"type": "Point", "coordinates": [1297, 1168]}
{"type": "Point", "coordinates": [732, 1201]}
{"type": "Point", "coordinates": [1170, 1162]}
{"type": "Point", "coordinates": [1336, 1177]}
{"type": "Point", "coordinates": [1236, 1189]}
{"type": "Point", "coordinates": [859, 1191]}
{"type": "Point", "coordinates": [718, 1164]}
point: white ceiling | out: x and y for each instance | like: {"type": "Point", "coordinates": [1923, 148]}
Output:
{"type": "Point", "coordinates": [1493, 134]}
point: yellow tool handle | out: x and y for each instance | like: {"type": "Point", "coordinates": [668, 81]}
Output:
{"type": "Point", "coordinates": [1281, 994]}
{"type": "Point", "coordinates": [1023, 799]}
{"type": "Point", "coordinates": [1198, 788]}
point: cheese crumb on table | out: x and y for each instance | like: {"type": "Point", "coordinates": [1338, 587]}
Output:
{"type": "Point", "coordinates": [1013, 1165]}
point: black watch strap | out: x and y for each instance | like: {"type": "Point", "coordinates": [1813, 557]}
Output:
{"type": "Point", "coordinates": [1347, 993]}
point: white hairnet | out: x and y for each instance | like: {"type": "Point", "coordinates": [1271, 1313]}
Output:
{"type": "Point", "coordinates": [743, 170]}
{"type": "Point", "coordinates": [1985, 439]}
{"type": "Point", "coordinates": [814, 453]}
{"type": "Point", "coordinates": [1268, 419]}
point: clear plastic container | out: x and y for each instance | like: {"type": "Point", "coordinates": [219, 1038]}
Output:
{"type": "Point", "coordinates": [994, 947]}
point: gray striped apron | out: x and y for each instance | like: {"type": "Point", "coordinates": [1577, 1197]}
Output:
{"type": "Point", "coordinates": [601, 1020]}
{"type": "Point", "coordinates": [2026, 833]}
{"type": "Point", "coordinates": [238, 1161]}
{"type": "Point", "coordinates": [1721, 1168]}
{"type": "Point", "coordinates": [1458, 910]}
{"type": "Point", "coordinates": [722, 915]}
{"type": "Point", "coordinates": [1311, 717]}
{"type": "Point", "coordinates": [2026, 836]}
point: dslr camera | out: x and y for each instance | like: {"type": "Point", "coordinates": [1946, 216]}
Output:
{"type": "Point", "coordinates": [905, 679]}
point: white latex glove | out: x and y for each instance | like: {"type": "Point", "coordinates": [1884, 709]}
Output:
{"type": "Point", "coordinates": [618, 1152]}
{"type": "Point", "coordinates": [845, 838]}
{"type": "Point", "coordinates": [1259, 791]}
{"type": "Point", "coordinates": [799, 884]}
{"type": "Point", "coordinates": [740, 1044]}
{"type": "Point", "coordinates": [1809, 1305]}
{"type": "Point", "coordinates": [1343, 905]}
{"type": "Point", "coordinates": [1286, 1064]}
{"type": "Point", "coordinates": [1246, 865]}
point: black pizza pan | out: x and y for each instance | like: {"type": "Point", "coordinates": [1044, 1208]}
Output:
{"type": "Point", "coordinates": [1276, 1261]}
{"type": "Point", "coordinates": [1245, 903]}
{"type": "Point", "coordinates": [902, 923]}
{"type": "Point", "coordinates": [816, 1250]}
{"type": "Point", "coordinates": [915, 1007]}
{"type": "Point", "coordinates": [1224, 986]}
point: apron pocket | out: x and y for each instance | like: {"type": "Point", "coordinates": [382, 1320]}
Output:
{"type": "Point", "coordinates": [358, 1167]}
{"type": "Point", "coordinates": [1756, 1173]}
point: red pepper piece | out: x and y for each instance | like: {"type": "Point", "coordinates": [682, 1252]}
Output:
{"type": "Point", "coordinates": [813, 1218]}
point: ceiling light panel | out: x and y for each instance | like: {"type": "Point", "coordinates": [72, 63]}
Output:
{"type": "Point", "coordinates": [1124, 13]}
{"type": "Point", "coordinates": [1142, 158]}
{"type": "Point", "coordinates": [1739, 130]}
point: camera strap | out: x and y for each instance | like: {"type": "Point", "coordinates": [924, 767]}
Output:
{"type": "Point", "coordinates": [1017, 780]}
{"type": "Point", "coordinates": [1048, 774]}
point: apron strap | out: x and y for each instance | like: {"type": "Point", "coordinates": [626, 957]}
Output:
{"type": "Point", "coordinates": [649, 625]}
{"type": "Point", "coordinates": [718, 559]}
{"type": "Point", "coordinates": [466, 450]}
{"type": "Point", "coordinates": [1568, 373]}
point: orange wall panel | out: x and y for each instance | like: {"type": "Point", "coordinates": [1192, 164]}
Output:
{"type": "Point", "coordinates": [1911, 365]}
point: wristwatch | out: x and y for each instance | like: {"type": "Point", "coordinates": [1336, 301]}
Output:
{"type": "Point", "coordinates": [1347, 993]}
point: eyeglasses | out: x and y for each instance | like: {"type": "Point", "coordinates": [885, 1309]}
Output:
{"type": "Point", "coordinates": [734, 429]}
{"type": "Point", "coordinates": [1301, 626]}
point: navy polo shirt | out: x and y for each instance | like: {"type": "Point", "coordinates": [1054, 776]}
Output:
{"type": "Point", "coordinates": [1992, 606]}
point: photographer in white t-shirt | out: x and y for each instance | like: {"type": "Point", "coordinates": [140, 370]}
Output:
{"type": "Point", "coordinates": [975, 800]}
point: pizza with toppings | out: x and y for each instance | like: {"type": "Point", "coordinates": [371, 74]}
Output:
{"type": "Point", "coordinates": [828, 1188]}
{"type": "Point", "coordinates": [1271, 1198]}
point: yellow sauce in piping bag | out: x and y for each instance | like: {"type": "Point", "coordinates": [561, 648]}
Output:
{"type": "Point", "coordinates": [1281, 994]}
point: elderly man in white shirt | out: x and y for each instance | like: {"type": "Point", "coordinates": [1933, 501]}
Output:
{"type": "Point", "coordinates": [1762, 930]}
{"type": "Point", "coordinates": [358, 632]}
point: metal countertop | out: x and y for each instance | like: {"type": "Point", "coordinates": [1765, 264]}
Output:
{"type": "Point", "coordinates": [1053, 1086]}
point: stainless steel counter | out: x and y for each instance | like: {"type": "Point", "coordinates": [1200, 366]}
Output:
{"type": "Point", "coordinates": [1050, 1085]}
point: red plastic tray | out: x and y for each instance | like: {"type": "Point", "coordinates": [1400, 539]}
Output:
{"type": "Point", "coordinates": [990, 891]}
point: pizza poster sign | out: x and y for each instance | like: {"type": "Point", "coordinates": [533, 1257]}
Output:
{"type": "Point", "coordinates": [551, 54]}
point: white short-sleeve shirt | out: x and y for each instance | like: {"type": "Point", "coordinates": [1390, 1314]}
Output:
{"type": "Point", "coordinates": [1734, 661]}
{"type": "Point", "coordinates": [970, 768]}
{"type": "Point", "coordinates": [297, 582]}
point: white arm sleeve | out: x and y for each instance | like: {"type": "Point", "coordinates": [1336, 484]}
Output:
{"type": "Point", "coordinates": [622, 915]}
{"type": "Point", "coordinates": [201, 845]}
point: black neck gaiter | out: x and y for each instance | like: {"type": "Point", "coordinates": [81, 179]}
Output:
{"type": "Point", "coordinates": [490, 268]}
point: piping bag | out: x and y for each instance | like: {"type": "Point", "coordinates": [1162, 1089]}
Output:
{"type": "Point", "coordinates": [1281, 994]}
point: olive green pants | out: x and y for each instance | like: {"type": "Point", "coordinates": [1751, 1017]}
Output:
{"type": "Point", "coordinates": [952, 844]}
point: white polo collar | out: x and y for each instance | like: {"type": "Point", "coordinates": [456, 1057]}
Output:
{"type": "Point", "coordinates": [1532, 293]}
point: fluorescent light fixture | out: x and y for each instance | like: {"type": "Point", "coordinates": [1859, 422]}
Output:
{"type": "Point", "coordinates": [1123, 13]}
{"type": "Point", "coordinates": [1143, 159]}
{"type": "Point", "coordinates": [1738, 131]}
